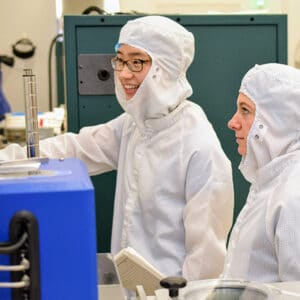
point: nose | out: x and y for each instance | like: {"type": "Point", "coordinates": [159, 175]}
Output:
{"type": "Point", "coordinates": [125, 72]}
{"type": "Point", "coordinates": [234, 123]}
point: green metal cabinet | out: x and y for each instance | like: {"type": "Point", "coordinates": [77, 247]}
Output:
{"type": "Point", "coordinates": [226, 47]}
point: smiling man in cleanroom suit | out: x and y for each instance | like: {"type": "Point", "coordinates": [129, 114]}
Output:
{"type": "Point", "coordinates": [174, 191]}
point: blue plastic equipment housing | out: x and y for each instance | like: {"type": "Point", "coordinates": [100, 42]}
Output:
{"type": "Point", "coordinates": [63, 204]}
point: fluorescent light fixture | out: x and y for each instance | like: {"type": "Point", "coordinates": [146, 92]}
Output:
{"type": "Point", "coordinates": [59, 7]}
{"type": "Point", "coordinates": [260, 3]}
{"type": "Point", "coordinates": [111, 6]}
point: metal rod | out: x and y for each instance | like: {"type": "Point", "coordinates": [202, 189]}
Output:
{"type": "Point", "coordinates": [31, 114]}
{"type": "Point", "coordinates": [25, 282]}
{"type": "Point", "coordinates": [23, 266]}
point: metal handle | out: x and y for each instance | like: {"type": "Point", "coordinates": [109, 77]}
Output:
{"type": "Point", "coordinates": [25, 282]}
{"type": "Point", "coordinates": [23, 266]}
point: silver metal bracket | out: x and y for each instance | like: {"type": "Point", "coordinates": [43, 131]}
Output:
{"type": "Point", "coordinates": [95, 74]}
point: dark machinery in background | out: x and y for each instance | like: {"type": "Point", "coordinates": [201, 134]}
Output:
{"type": "Point", "coordinates": [226, 47]}
{"type": "Point", "coordinates": [22, 48]}
{"type": "Point", "coordinates": [4, 105]}
{"type": "Point", "coordinates": [56, 42]}
{"type": "Point", "coordinates": [57, 47]}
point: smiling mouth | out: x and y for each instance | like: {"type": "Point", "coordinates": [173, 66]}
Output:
{"type": "Point", "coordinates": [130, 90]}
{"type": "Point", "coordinates": [130, 87]}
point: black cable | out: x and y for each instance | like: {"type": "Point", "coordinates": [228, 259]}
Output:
{"type": "Point", "coordinates": [10, 247]}
{"type": "Point", "coordinates": [50, 69]}
{"type": "Point", "coordinates": [96, 9]}
{"type": "Point", "coordinates": [7, 60]}
{"type": "Point", "coordinates": [19, 52]}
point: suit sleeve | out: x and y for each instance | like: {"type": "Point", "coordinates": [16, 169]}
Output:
{"type": "Point", "coordinates": [97, 146]}
{"type": "Point", "coordinates": [287, 235]}
{"type": "Point", "coordinates": [208, 213]}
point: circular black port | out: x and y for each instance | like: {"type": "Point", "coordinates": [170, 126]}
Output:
{"type": "Point", "coordinates": [103, 75]}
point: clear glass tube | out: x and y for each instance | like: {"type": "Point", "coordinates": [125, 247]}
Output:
{"type": "Point", "coordinates": [31, 114]}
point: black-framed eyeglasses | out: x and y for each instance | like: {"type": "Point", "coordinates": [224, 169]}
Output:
{"type": "Point", "coordinates": [134, 65]}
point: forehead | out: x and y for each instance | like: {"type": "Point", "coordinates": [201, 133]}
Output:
{"type": "Point", "coordinates": [243, 99]}
{"type": "Point", "coordinates": [131, 51]}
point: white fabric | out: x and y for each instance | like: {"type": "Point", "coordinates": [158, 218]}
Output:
{"type": "Point", "coordinates": [265, 241]}
{"type": "Point", "coordinates": [174, 193]}
{"type": "Point", "coordinates": [171, 48]}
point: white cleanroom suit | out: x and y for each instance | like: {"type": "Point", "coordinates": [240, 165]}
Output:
{"type": "Point", "coordinates": [174, 192]}
{"type": "Point", "coordinates": [265, 241]}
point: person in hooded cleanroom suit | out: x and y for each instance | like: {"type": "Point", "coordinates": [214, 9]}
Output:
{"type": "Point", "coordinates": [174, 190]}
{"type": "Point", "coordinates": [265, 241]}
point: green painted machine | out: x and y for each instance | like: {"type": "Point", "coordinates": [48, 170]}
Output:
{"type": "Point", "coordinates": [226, 47]}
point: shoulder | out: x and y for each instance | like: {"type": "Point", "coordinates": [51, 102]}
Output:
{"type": "Point", "coordinates": [288, 180]}
{"type": "Point", "coordinates": [285, 194]}
{"type": "Point", "coordinates": [196, 126]}
{"type": "Point", "coordinates": [194, 109]}
{"type": "Point", "coordinates": [113, 126]}
{"type": "Point", "coordinates": [289, 189]}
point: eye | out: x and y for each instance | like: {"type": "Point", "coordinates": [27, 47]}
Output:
{"type": "Point", "coordinates": [245, 110]}
{"type": "Point", "coordinates": [119, 60]}
{"type": "Point", "coordinates": [136, 62]}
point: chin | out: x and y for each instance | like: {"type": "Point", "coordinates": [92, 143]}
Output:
{"type": "Point", "coordinates": [129, 96]}
{"type": "Point", "coordinates": [242, 152]}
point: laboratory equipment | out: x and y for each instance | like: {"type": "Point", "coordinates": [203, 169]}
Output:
{"type": "Point", "coordinates": [15, 126]}
{"type": "Point", "coordinates": [31, 126]}
{"type": "Point", "coordinates": [219, 289]}
{"type": "Point", "coordinates": [109, 282]}
{"type": "Point", "coordinates": [4, 105]}
{"type": "Point", "coordinates": [23, 48]}
{"type": "Point", "coordinates": [47, 222]}
{"type": "Point", "coordinates": [60, 196]}
{"type": "Point", "coordinates": [32, 134]}
{"type": "Point", "coordinates": [226, 46]}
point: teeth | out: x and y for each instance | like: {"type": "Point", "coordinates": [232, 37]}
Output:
{"type": "Point", "coordinates": [127, 86]}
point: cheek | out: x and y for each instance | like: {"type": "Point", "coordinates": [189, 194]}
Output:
{"type": "Point", "coordinates": [117, 74]}
{"type": "Point", "coordinates": [140, 77]}
{"type": "Point", "coordinates": [248, 126]}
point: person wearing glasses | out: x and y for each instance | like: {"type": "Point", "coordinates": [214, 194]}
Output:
{"type": "Point", "coordinates": [174, 191]}
{"type": "Point", "coordinates": [265, 241]}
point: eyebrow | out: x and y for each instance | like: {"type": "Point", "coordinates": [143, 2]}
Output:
{"type": "Point", "coordinates": [131, 54]}
{"type": "Point", "coordinates": [243, 103]}
{"type": "Point", "coordinates": [249, 105]}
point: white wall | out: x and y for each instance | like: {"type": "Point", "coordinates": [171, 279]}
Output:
{"type": "Point", "coordinates": [292, 8]}
{"type": "Point", "coordinates": [75, 7]}
{"type": "Point", "coordinates": [36, 19]}
{"type": "Point", "coordinates": [289, 7]}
